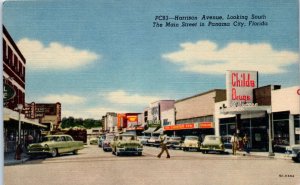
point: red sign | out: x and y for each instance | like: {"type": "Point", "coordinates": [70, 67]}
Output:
{"type": "Point", "coordinates": [206, 125]}
{"type": "Point", "coordinates": [180, 126]}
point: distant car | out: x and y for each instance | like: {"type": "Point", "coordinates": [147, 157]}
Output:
{"type": "Point", "coordinates": [294, 152]}
{"type": "Point", "coordinates": [106, 144]}
{"type": "Point", "coordinates": [174, 142]}
{"type": "Point", "coordinates": [54, 145]}
{"type": "Point", "coordinates": [212, 143]}
{"type": "Point", "coordinates": [126, 144]}
{"type": "Point", "coordinates": [154, 141]}
{"type": "Point", "coordinates": [191, 142]}
{"type": "Point", "coordinates": [226, 141]}
{"type": "Point", "coordinates": [100, 140]}
{"type": "Point", "coordinates": [93, 141]}
{"type": "Point", "coordinates": [143, 139]}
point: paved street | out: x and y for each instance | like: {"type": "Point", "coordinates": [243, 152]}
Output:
{"type": "Point", "coordinates": [93, 166]}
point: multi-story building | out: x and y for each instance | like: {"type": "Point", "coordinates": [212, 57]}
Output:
{"type": "Point", "coordinates": [16, 125]}
{"type": "Point", "coordinates": [155, 115]}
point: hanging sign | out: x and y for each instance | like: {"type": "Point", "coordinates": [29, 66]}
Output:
{"type": "Point", "coordinates": [8, 92]}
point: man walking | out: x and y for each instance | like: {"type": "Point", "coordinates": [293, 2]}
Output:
{"type": "Point", "coordinates": [234, 142]}
{"type": "Point", "coordinates": [163, 145]}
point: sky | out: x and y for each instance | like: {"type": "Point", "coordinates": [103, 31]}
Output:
{"type": "Point", "coordinates": [99, 56]}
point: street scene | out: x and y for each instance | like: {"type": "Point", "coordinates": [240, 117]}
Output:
{"type": "Point", "coordinates": [151, 92]}
{"type": "Point", "coordinates": [93, 166]}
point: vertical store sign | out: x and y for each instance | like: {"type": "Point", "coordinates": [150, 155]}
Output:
{"type": "Point", "coordinates": [239, 87]}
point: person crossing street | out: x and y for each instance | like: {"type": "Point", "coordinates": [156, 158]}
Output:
{"type": "Point", "coordinates": [163, 145]}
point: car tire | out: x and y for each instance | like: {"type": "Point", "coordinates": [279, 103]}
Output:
{"type": "Point", "coordinates": [75, 152]}
{"type": "Point", "coordinates": [140, 154]}
{"type": "Point", "coordinates": [117, 153]}
{"type": "Point", "coordinates": [54, 152]}
{"type": "Point", "coordinates": [297, 158]}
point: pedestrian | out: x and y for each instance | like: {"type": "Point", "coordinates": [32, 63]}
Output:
{"type": "Point", "coordinates": [234, 141]}
{"type": "Point", "coordinates": [163, 145]}
{"type": "Point", "coordinates": [246, 144]}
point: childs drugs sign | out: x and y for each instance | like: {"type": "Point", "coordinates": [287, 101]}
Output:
{"type": "Point", "coordinates": [239, 86]}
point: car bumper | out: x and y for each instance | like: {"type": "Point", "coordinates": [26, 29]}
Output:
{"type": "Point", "coordinates": [212, 149]}
{"type": "Point", "coordinates": [129, 150]}
{"type": "Point", "coordinates": [43, 152]}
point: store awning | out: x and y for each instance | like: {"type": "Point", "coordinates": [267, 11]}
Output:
{"type": "Point", "coordinates": [149, 130]}
{"type": "Point", "coordinates": [159, 131]}
{"type": "Point", "coordinates": [9, 115]}
{"type": "Point", "coordinates": [245, 109]}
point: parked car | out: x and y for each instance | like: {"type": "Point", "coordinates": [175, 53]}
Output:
{"type": "Point", "coordinates": [212, 143]}
{"type": "Point", "coordinates": [54, 145]}
{"type": "Point", "coordinates": [93, 141]}
{"type": "Point", "coordinates": [106, 144]}
{"type": "Point", "coordinates": [154, 141]}
{"type": "Point", "coordinates": [143, 139]}
{"type": "Point", "coordinates": [226, 141]}
{"type": "Point", "coordinates": [100, 140]}
{"type": "Point", "coordinates": [191, 142]}
{"type": "Point", "coordinates": [294, 152]}
{"type": "Point", "coordinates": [126, 144]}
{"type": "Point", "coordinates": [174, 142]}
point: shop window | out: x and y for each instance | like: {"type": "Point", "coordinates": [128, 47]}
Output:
{"type": "Point", "coordinates": [297, 129]}
{"type": "Point", "coordinates": [4, 50]}
{"type": "Point", "coordinates": [281, 132]}
{"type": "Point", "coordinates": [10, 56]}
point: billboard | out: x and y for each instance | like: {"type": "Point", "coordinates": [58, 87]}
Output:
{"type": "Point", "coordinates": [239, 87]}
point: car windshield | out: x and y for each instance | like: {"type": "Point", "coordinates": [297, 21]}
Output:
{"type": "Point", "coordinates": [193, 138]}
{"type": "Point", "coordinates": [51, 138]}
{"type": "Point", "coordinates": [175, 138]}
{"type": "Point", "coordinates": [110, 137]}
{"type": "Point", "coordinates": [126, 138]}
{"type": "Point", "coordinates": [213, 138]}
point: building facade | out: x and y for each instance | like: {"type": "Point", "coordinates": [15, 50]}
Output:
{"type": "Point", "coordinates": [195, 115]}
{"type": "Point", "coordinates": [16, 125]}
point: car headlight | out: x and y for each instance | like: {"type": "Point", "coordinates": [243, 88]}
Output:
{"type": "Point", "coordinates": [46, 147]}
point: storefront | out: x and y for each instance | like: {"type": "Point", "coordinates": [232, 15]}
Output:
{"type": "Point", "coordinates": [11, 128]}
{"type": "Point", "coordinates": [190, 129]}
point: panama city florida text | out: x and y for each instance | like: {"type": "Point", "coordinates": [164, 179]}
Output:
{"type": "Point", "coordinates": [210, 20]}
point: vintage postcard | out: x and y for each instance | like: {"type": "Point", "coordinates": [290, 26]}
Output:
{"type": "Point", "coordinates": [151, 92]}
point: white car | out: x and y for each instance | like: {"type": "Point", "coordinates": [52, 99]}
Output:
{"type": "Point", "coordinates": [191, 142]}
{"type": "Point", "coordinates": [294, 152]}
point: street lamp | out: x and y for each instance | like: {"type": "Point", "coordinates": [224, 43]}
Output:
{"type": "Point", "coordinates": [20, 108]}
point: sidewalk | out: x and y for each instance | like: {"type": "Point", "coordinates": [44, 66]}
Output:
{"type": "Point", "coordinates": [9, 159]}
{"type": "Point", "coordinates": [264, 154]}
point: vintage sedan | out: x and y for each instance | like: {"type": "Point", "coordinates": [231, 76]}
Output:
{"type": "Point", "coordinates": [126, 144]}
{"type": "Point", "coordinates": [212, 143]}
{"type": "Point", "coordinates": [191, 143]}
{"type": "Point", "coordinates": [293, 152]}
{"type": "Point", "coordinates": [106, 144]}
{"type": "Point", "coordinates": [154, 141]}
{"type": "Point", "coordinates": [54, 145]}
{"type": "Point", "coordinates": [143, 139]}
{"type": "Point", "coordinates": [174, 142]}
{"type": "Point", "coordinates": [93, 141]}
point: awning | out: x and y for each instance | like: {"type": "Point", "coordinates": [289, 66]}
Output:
{"type": "Point", "coordinates": [245, 109]}
{"type": "Point", "coordinates": [159, 131]}
{"type": "Point", "coordinates": [149, 130]}
{"type": "Point", "coordinates": [9, 115]}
